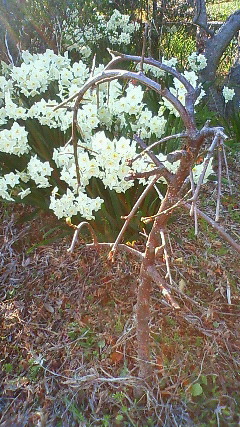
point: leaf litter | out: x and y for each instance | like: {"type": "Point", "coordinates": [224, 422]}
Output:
{"type": "Point", "coordinates": [68, 345]}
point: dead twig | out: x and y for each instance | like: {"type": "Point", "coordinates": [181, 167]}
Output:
{"type": "Point", "coordinates": [78, 229]}
{"type": "Point", "coordinates": [219, 190]}
{"type": "Point", "coordinates": [154, 144]}
{"type": "Point", "coordinates": [144, 46]}
{"type": "Point", "coordinates": [166, 256]}
{"type": "Point", "coordinates": [129, 217]}
{"type": "Point", "coordinates": [148, 219]}
{"type": "Point", "coordinates": [154, 275]}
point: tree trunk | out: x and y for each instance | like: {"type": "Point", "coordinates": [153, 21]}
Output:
{"type": "Point", "coordinates": [214, 48]}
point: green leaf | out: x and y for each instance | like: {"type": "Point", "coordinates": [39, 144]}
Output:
{"type": "Point", "coordinates": [196, 390]}
{"type": "Point", "coordinates": [204, 379]}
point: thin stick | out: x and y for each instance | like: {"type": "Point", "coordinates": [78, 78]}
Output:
{"type": "Point", "coordinates": [161, 197]}
{"type": "Point", "coordinates": [206, 163]}
{"type": "Point", "coordinates": [121, 246]}
{"type": "Point", "coordinates": [95, 243]}
{"type": "Point", "coordinates": [129, 217]}
{"type": "Point", "coordinates": [144, 46]}
{"type": "Point", "coordinates": [148, 219]}
{"type": "Point", "coordinates": [154, 275]}
{"type": "Point", "coordinates": [78, 229]}
{"type": "Point", "coordinates": [166, 138]}
{"type": "Point", "coordinates": [219, 192]}
{"type": "Point", "coordinates": [167, 174]}
{"type": "Point", "coordinates": [226, 166]}
{"type": "Point", "coordinates": [166, 256]}
{"type": "Point", "coordinates": [228, 291]}
{"type": "Point", "coordinates": [194, 207]}
{"type": "Point", "coordinates": [156, 171]}
{"type": "Point", "coordinates": [216, 226]}
{"type": "Point", "coordinates": [93, 66]}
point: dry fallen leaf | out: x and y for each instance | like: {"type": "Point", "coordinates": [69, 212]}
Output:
{"type": "Point", "coordinates": [116, 357]}
{"type": "Point", "coordinates": [182, 285]}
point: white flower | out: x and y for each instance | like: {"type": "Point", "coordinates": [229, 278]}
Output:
{"type": "Point", "coordinates": [197, 171]}
{"type": "Point", "coordinates": [4, 190]}
{"type": "Point", "coordinates": [11, 179]}
{"type": "Point", "coordinates": [197, 61]}
{"type": "Point", "coordinates": [24, 193]}
{"type": "Point", "coordinates": [228, 94]}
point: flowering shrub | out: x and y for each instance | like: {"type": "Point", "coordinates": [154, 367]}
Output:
{"type": "Point", "coordinates": [117, 31]}
{"type": "Point", "coordinates": [28, 95]}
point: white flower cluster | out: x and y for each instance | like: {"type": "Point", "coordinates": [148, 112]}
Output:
{"type": "Point", "coordinates": [38, 71]}
{"type": "Point", "coordinates": [114, 107]}
{"type": "Point", "coordinates": [197, 61]}
{"type": "Point", "coordinates": [9, 181]}
{"type": "Point", "coordinates": [39, 171]}
{"type": "Point", "coordinates": [118, 30]}
{"type": "Point", "coordinates": [5, 86]}
{"type": "Point", "coordinates": [71, 204]}
{"type": "Point", "coordinates": [179, 91]}
{"type": "Point", "coordinates": [12, 110]}
{"type": "Point", "coordinates": [15, 140]}
{"type": "Point", "coordinates": [228, 94]}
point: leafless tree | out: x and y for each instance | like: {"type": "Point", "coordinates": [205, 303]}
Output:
{"type": "Point", "coordinates": [181, 190]}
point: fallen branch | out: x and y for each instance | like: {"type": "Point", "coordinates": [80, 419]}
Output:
{"type": "Point", "coordinates": [216, 226]}
{"type": "Point", "coordinates": [78, 228]}
{"type": "Point", "coordinates": [96, 244]}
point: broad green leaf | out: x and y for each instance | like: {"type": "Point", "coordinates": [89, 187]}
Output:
{"type": "Point", "coordinates": [196, 390]}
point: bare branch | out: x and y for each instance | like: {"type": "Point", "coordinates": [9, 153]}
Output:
{"type": "Point", "coordinates": [129, 217]}
{"type": "Point", "coordinates": [166, 256]}
{"type": "Point", "coordinates": [155, 63]}
{"type": "Point", "coordinates": [194, 207]}
{"type": "Point", "coordinates": [154, 275]}
{"type": "Point", "coordinates": [96, 244]}
{"type": "Point", "coordinates": [167, 174]}
{"type": "Point", "coordinates": [121, 247]}
{"type": "Point", "coordinates": [217, 45]}
{"type": "Point", "coordinates": [176, 155]}
{"type": "Point", "coordinates": [157, 171]}
{"type": "Point", "coordinates": [226, 167]}
{"type": "Point", "coordinates": [78, 229]}
{"type": "Point", "coordinates": [148, 219]}
{"type": "Point", "coordinates": [206, 163]}
{"type": "Point", "coordinates": [154, 144]}
{"type": "Point", "coordinates": [200, 17]}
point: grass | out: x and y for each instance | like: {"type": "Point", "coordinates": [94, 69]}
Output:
{"type": "Point", "coordinates": [219, 10]}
